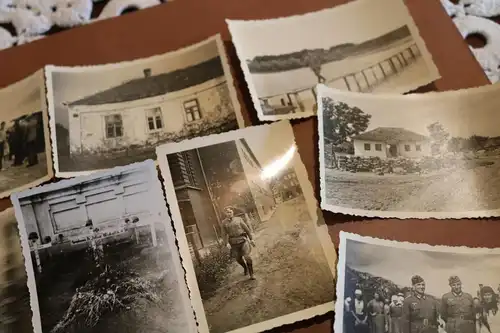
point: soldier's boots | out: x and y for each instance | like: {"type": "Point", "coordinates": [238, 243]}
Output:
{"type": "Point", "coordinates": [245, 272]}
{"type": "Point", "coordinates": [250, 270]}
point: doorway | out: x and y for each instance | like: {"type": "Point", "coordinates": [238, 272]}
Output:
{"type": "Point", "coordinates": [393, 151]}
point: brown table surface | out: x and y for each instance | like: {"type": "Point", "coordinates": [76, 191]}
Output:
{"type": "Point", "coordinates": [183, 22]}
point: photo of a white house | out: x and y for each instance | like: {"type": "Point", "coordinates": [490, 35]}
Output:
{"type": "Point", "coordinates": [407, 156]}
{"type": "Point", "coordinates": [391, 142]}
{"type": "Point", "coordinates": [116, 114]}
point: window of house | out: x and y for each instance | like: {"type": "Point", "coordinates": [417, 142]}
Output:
{"type": "Point", "coordinates": [368, 146]}
{"type": "Point", "coordinates": [155, 119]}
{"type": "Point", "coordinates": [192, 109]}
{"type": "Point", "coordinates": [407, 147]}
{"type": "Point", "coordinates": [378, 147]}
{"type": "Point", "coordinates": [114, 126]}
{"type": "Point", "coordinates": [418, 148]}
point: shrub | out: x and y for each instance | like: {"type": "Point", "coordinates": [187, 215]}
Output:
{"type": "Point", "coordinates": [212, 270]}
{"type": "Point", "coordinates": [108, 289]}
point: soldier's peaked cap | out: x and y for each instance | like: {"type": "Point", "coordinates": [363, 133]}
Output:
{"type": "Point", "coordinates": [416, 279]}
{"type": "Point", "coordinates": [454, 279]}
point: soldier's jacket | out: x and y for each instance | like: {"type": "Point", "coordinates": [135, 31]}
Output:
{"type": "Point", "coordinates": [236, 229]}
{"type": "Point", "coordinates": [420, 315]}
{"type": "Point", "coordinates": [458, 313]}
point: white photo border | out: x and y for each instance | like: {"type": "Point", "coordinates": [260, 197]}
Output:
{"type": "Point", "coordinates": [49, 69]}
{"type": "Point", "coordinates": [155, 183]}
{"type": "Point", "coordinates": [321, 230]}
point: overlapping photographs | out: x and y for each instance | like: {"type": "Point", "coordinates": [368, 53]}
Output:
{"type": "Point", "coordinates": [390, 286]}
{"type": "Point", "coordinates": [256, 252]}
{"type": "Point", "coordinates": [101, 255]}
{"type": "Point", "coordinates": [364, 46]}
{"type": "Point", "coordinates": [15, 311]}
{"type": "Point", "coordinates": [25, 154]}
{"type": "Point", "coordinates": [112, 115]}
{"type": "Point", "coordinates": [434, 155]}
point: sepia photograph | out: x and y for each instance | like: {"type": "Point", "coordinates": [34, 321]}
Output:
{"type": "Point", "coordinates": [112, 115]}
{"type": "Point", "coordinates": [435, 289]}
{"type": "Point", "coordinates": [255, 247]}
{"type": "Point", "coordinates": [101, 255]}
{"type": "Point", "coordinates": [363, 46]}
{"type": "Point", "coordinates": [25, 154]}
{"type": "Point", "coordinates": [435, 155]}
{"type": "Point", "coordinates": [15, 311]}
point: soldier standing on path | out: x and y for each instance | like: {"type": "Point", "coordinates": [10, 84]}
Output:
{"type": "Point", "coordinates": [457, 309]}
{"type": "Point", "coordinates": [238, 238]}
{"type": "Point", "coordinates": [420, 313]}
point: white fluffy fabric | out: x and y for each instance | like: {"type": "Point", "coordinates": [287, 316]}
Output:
{"type": "Point", "coordinates": [33, 18]}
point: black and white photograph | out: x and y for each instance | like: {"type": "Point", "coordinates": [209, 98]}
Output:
{"type": "Point", "coordinates": [434, 155]}
{"type": "Point", "coordinates": [112, 115]}
{"type": "Point", "coordinates": [25, 154]}
{"type": "Point", "coordinates": [15, 311]}
{"type": "Point", "coordinates": [101, 255]}
{"type": "Point", "coordinates": [435, 289]}
{"type": "Point", "coordinates": [256, 251]}
{"type": "Point", "coordinates": [364, 46]}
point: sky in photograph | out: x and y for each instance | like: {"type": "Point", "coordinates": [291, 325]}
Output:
{"type": "Point", "coordinates": [353, 23]}
{"type": "Point", "coordinates": [21, 98]}
{"type": "Point", "coordinates": [69, 86]}
{"type": "Point", "coordinates": [462, 114]}
{"type": "Point", "coordinates": [399, 265]}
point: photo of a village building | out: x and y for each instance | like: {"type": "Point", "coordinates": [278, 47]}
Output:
{"type": "Point", "coordinates": [149, 102]}
{"type": "Point", "coordinates": [391, 142]}
{"type": "Point", "coordinates": [103, 255]}
{"type": "Point", "coordinates": [394, 156]}
{"type": "Point", "coordinates": [221, 186]}
{"type": "Point", "coordinates": [384, 54]}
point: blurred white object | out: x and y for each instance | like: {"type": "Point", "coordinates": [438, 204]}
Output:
{"type": "Point", "coordinates": [470, 17]}
{"type": "Point", "coordinates": [31, 19]}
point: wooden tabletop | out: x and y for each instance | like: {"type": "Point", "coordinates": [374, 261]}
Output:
{"type": "Point", "coordinates": [183, 22]}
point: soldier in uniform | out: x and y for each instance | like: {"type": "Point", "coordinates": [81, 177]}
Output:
{"type": "Point", "coordinates": [238, 238]}
{"type": "Point", "coordinates": [457, 309]}
{"type": "Point", "coordinates": [420, 313]}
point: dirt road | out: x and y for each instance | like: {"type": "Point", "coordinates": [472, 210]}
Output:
{"type": "Point", "coordinates": [290, 268]}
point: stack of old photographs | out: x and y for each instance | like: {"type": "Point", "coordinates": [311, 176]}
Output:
{"type": "Point", "coordinates": [235, 240]}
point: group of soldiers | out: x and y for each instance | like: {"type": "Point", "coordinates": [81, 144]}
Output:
{"type": "Point", "coordinates": [458, 311]}
{"type": "Point", "coordinates": [19, 141]}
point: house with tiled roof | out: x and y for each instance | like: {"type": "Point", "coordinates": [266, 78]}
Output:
{"type": "Point", "coordinates": [153, 108]}
{"type": "Point", "coordinates": [390, 142]}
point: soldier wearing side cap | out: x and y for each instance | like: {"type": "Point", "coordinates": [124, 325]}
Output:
{"type": "Point", "coordinates": [457, 309]}
{"type": "Point", "coordinates": [420, 313]}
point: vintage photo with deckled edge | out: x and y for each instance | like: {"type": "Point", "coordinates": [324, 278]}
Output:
{"type": "Point", "coordinates": [15, 311]}
{"type": "Point", "coordinates": [378, 49]}
{"type": "Point", "coordinates": [435, 289]}
{"type": "Point", "coordinates": [432, 155]}
{"type": "Point", "coordinates": [25, 151]}
{"type": "Point", "coordinates": [281, 267]}
{"type": "Point", "coordinates": [100, 254]}
{"type": "Point", "coordinates": [110, 115]}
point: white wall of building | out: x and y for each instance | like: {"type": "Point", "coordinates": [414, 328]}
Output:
{"type": "Point", "coordinates": [359, 148]}
{"type": "Point", "coordinates": [87, 125]}
{"type": "Point", "coordinates": [106, 201]}
{"type": "Point", "coordinates": [404, 149]}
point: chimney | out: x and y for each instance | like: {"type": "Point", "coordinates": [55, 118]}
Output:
{"type": "Point", "coordinates": [147, 72]}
